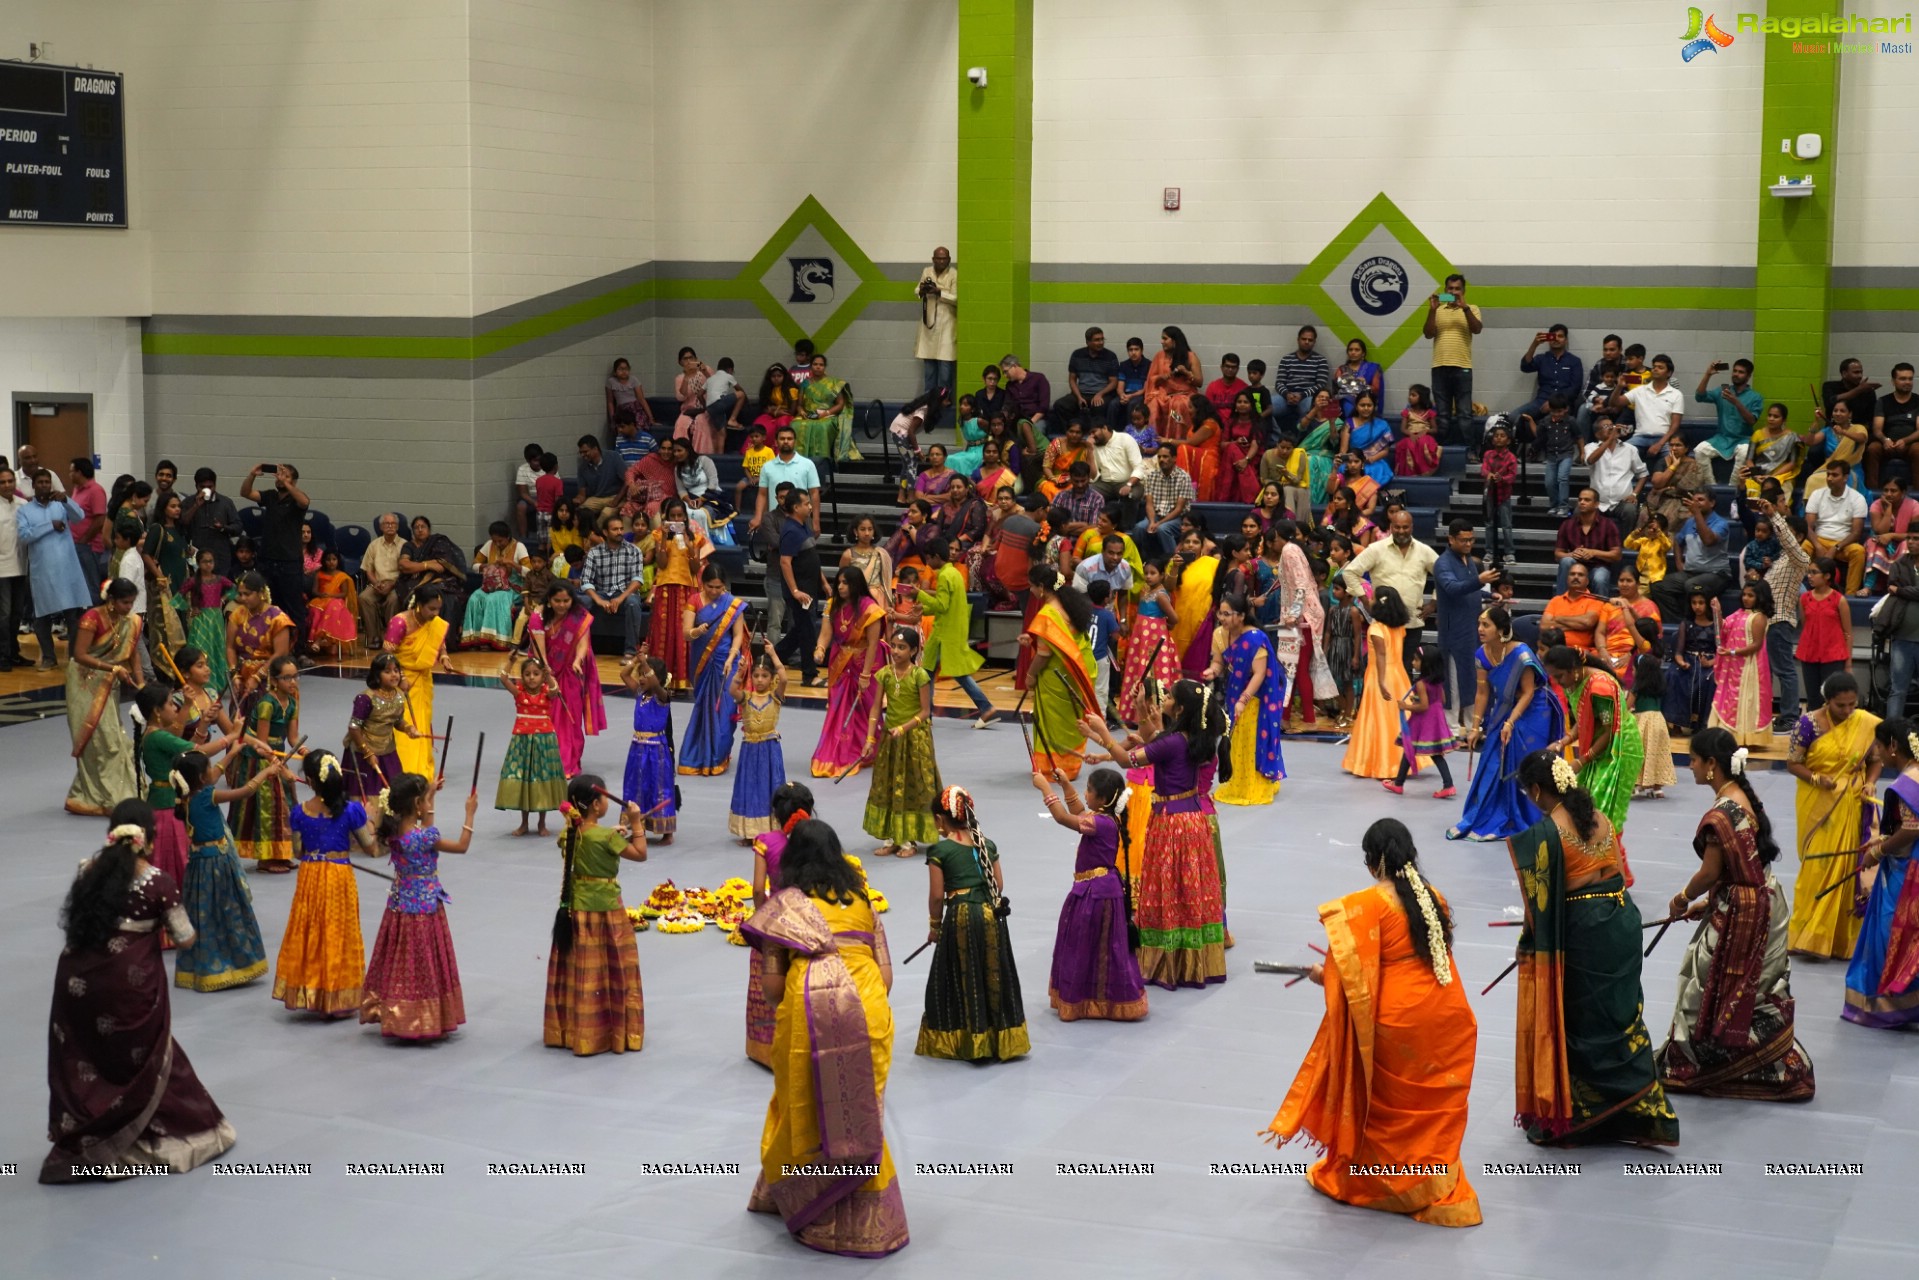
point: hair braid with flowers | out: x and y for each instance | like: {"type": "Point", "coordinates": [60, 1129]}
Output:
{"type": "Point", "coordinates": [956, 805]}
{"type": "Point", "coordinates": [580, 795]}
{"type": "Point", "coordinates": [1388, 847]}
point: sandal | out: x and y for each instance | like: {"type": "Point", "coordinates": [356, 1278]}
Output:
{"type": "Point", "coordinates": [987, 720]}
{"type": "Point", "coordinates": [1455, 833]}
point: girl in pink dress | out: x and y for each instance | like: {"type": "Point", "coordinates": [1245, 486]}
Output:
{"type": "Point", "coordinates": [563, 639]}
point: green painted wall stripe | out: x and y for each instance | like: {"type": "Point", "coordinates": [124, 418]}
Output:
{"type": "Point", "coordinates": [993, 239]}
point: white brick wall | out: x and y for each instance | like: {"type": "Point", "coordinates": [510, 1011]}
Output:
{"type": "Point", "coordinates": [562, 143]}
{"type": "Point", "coordinates": [1876, 186]}
{"type": "Point", "coordinates": [88, 355]}
{"type": "Point", "coordinates": [1510, 133]}
{"type": "Point", "coordinates": [760, 105]}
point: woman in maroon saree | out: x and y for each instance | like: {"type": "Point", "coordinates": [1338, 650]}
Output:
{"type": "Point", "coordinates": [824, 1166]}
{"type": "Point", "coordinates": [122, 1095]}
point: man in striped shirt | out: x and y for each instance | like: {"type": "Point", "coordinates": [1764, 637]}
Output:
{"type": "Point", "coordinates": [1298, 375]}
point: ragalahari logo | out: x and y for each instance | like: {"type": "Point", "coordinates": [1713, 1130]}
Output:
{"type": "Point", "coordinates": [1703, 35]}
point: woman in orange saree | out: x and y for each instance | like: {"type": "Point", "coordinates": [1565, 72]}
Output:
{"type": "Point", "coordinates": [1386, 1081]}
{"type": "Point", "coordinates": [1199, 442]}
{"type": "Point", "coordinates": [1061, 676]}
{"type": "Point", "coordinates": [1171, 383]}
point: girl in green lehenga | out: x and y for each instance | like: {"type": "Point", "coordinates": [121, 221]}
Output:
{"type": "Point", "coordinates": [1324, 433]}
{"type": "Point", "coordinates": [1604, 735]}
{"type": "Point", "coordinates": [103, 659]}
{"type": "Point", "coordinates": [825, 421]}
{"type": "Point", "coordinates": [1583, 1062]}
{"type": "Point", "coordinates": [208, 596]}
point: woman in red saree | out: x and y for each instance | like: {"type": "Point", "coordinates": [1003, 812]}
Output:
{"type": "Point", "coordinates": [852, 671]}
{"type": "Point", "coordinates": [1732, 1028]}
{"type": "Point", "coordinates": [122, 1095]}
{"type": "Point", "coordinates": [563, 639]}
{"type": "Point", "coordinates": [1386, 1081]}
{"type": "Point", "coordinates": [1239, 452]}
{"type": "Point", "coordinates": [826, 970]}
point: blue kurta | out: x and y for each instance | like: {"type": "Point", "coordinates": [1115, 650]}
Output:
{"type": "Point", "coordinates": [53, 563]}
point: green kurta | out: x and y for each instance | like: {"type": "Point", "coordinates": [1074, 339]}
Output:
{"type": "Point", "coordinates": [159, 752]}
{"type": "Point", "coordinates": [949, 652]}
{"type": "Point", "coordinates": [596, 869]}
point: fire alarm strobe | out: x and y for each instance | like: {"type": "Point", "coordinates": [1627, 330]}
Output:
{"type": "Point", "coordinates": [1171, 199]}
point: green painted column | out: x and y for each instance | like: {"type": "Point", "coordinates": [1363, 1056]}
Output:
{"type": "Point", "coordinates": [994, 248]}
{"type": "Point", "coordinates": [1792, 304]}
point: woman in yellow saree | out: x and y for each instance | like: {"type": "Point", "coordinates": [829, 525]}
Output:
{"type": "Point", "coordinates": [417, 637]}
{"type": "Point", "coordinates": [1192, 572]}
{"type": "Point", "coordinates": [103, 658]}
{"type": "Point", "coordinates": [825, 968]}
{"type": "Point", "coordinates": [1061, 676]}
{"type": "Point", "coordinates": [1833, 757]}
{"type": "Point", "coordinates": [1386, 1081]}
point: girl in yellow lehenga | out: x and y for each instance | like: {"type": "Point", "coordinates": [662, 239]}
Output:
{"type": "Point", "coordinates": [827, 971]}
{"type": "Point", "coordinates": [1833, 757]}
{"type": "Point", "coordinates": [1192, 572]}
{"type": "Point", "coordinates": [417, 637]}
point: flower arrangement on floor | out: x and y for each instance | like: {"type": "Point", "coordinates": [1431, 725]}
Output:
{"type": "Point", "coordinates": [665, 896]}
{"type": "Point", "coordinates": [681, 920]}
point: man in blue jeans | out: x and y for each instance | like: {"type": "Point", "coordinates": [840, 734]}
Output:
{"type": "Point", "coordinates": [1169, 492]}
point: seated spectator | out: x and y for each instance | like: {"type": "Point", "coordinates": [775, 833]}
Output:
{"type": "Point", "coordinates": [1269, 507]}
{"type": "Point", "coordinates": [1618, 474]}
{"type": "Point", "coordinates": [1057, 464]}
{"type": "Point", "coordinates": [697, 480]}
{"type": "Point", "coordinates": [1703, 558]}
{"type": "Point", "coordinates": [380, 567]}
{"type": "Point", "coordinates": [1139, 425]}
{"type": "Point", "coordinates": [524, 501]}
{"type": "Point", "coordinates": [310, 552]}
{"type": "Point", "coordinates": [1262, 396]}
{"type": "Point", "coordinates": [1418, 452]}
{"type": "Point", "coordinates": [1657, 406]}
{"type": "Point", "coordinates": [601, 479]}
{"type": "Point", "coordinates": [613, 576]}
{"type": "Point", "coordinates": [725, 402]}
{"type": "Point", "coordinates": [1575, 610]}
{"type": "Point", "coordinates": [1285, 465]}
{"type": "Point", "coordinates": [1221, 390]}
{"type": "Point", "coordinates": [502, 562]}
{"type": "Point", "coordinates": [1371, 437]}
{"type": "Point", "coordinates": [1681, 477]}
{"type": "Point", "coordinates": [1775, 454]}
{"type": "Point", "coordinates": [1359, 373]}
{"type": "Point", "coordinates": [1651, 544]}
{"type": "Point", "coordinates": [1895, 427]}
{"type": "Point", "coordinates": [1737, 405]}
{"type": "Point", "coordinates": [625, 397]}
{"type": "Point", "coordinates": [962, 521]}
{"type": "Point", "coordinates": [1169, 493]}
{"type": "Point", "coordinates": [1352, 477]}
{"type": "Point", "coordinates": [430, 557]}
{"type": "Point", "coordinates": [991, 398]}
{"type": "Point", "coordinates": [1760, 553]}
{"type": "Point", "coordinates": [1836, 525]}
{"type": "Point", "coordinates": [1843, 438]}
{"type": "Point", "coordinates": [1092, 378]}
{"type": "Point", "coordinates": [1890, 515]}
{"type": "Point", "coordinates": [779, 399]}
{"type": "Point", "coordinates": [333, 608]}
{"type": "Point", "coordinates": [825, 423]}
{"type": "Point", "coordinates": [565, 531]}
{"type": "Point", "coordinates": [1081, 502]}
{"type": "Point", "coordinates": [1029, 394]}
{"type": "Point", "coordinates": [801, 370]}
{"type": "Point", "coordinates": [994, 474]}
{"type": "Point", "coordinates": [1589, 538]}
{"type": "Point", "coordinates": [1343, 517]}
{"type": "Point", "coordinates": [1850, 389]}
{"type": "Point", "coordinates": [1117, 464]}
{"type": "Point", "coordinates": [1297, 378]}
{"type": "Point", "coordinates": [548, 489]}
{"type": "Point", "coordinates": [1132, 373]}
{"type": "Point", "coordinates": [572, 561]}
{"type": "Point", "coordinates": [1556, 372]}
{"type": "Point", "coordinates": [632, 442]}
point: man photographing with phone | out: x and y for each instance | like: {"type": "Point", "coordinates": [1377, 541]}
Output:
{"type": "Point", "coordinates": [1451, 322]}
{"type": "Point", "coordinates": [1739, 406]}
{"type": "Point", "coordinates": [282, 512]}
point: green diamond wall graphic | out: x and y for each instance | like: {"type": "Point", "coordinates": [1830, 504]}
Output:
{"type": "Point", "coordinates": [1374, 277]}
{"type": "Point", "coordinates": [811, 280]}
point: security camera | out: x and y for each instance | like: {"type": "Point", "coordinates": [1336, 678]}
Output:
{"type": "Point", "coordinates": [977, 75]}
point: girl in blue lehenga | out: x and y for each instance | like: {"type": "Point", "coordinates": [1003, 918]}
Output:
{"type": "Point", "coordinates": [649, 761]}
{"type": "Point", "coordinates": [716, 639]}
{"type": "Point", "coordinates": [227, 950]}
{"type": "Point", "coordinates": [1515, 714]}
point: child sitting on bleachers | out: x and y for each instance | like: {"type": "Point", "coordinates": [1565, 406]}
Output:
{"type": "Point", "coordinates": [756, 455]}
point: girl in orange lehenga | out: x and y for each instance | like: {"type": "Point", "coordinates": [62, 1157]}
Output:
{"type": "Point", "coordinates": [1386, 1080]}
{"type": "Point", "coordinates": [678, 551]}
{"type": "Point", "coordinates": [1375, 751]}
{"type": "Point", "coordinates": [333, 611]}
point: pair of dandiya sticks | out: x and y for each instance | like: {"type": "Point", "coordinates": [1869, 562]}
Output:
{"type": "Point", "coordinates": [446, 747]}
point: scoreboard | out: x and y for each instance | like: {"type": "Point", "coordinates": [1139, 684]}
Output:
{"type": "Point", "coordinates": [62, 147]}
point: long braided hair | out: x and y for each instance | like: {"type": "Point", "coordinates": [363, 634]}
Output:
{"type": "Point", "coordinates": [580, 795]}
{"type": "Point", "coordinates": [1106, 789]}
{"type": "Point", "coordinates": [1388, 847]}
{"type": "Point", "coordinates": [955, 806]}
{"type": "Point", "coordinates": [98, 898]}
{"type": "Point", "coordinates": [1720, 747]}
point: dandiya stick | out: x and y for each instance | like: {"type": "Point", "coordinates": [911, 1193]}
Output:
{"type": "Point", "coordinates": [446, 745]}
{"type": "Point", "coordinates": [479, 753]}
{"type": "Point", "coordinates": [1502, 973]}
{"type": "Point", "coordinates": [923, 946]}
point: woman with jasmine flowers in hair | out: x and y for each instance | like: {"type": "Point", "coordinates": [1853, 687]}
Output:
{"type": "Point", "coordinates": [1732, 1030]}
{"type": "Point", "coordinates": [1583, 1063]}
{"type": "Point", "coordinates": [1386, 1080]}
{"type": "Point", "coordinates": [973, 1007]}
{"type": "Point", "coordinates": [322, 956]}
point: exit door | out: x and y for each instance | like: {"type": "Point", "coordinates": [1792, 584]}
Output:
{"type": "Point", "coordinates": [59, 427]}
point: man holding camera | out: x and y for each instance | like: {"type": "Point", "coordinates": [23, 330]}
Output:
{"type": "Point", "coordinates": [282, 512]}
{"type": "Point", "coordinates": [1451, 322]}
{"type": "Point", "coordinates": [936, 345]}
{"type": "Point", "coordinates": [1738, 406]}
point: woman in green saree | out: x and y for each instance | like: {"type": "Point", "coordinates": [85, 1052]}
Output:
{"type": "Point", "coordinates": [1603, 734]}
{"type": "Point", "coordinates": [1324, 432]}
{"type": "Point", "coordinates": [103, 657]}
{"type": "Point", "coordinates": [1583, 1062]}
{"type": "Point", "coordinates": [825, 421]}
